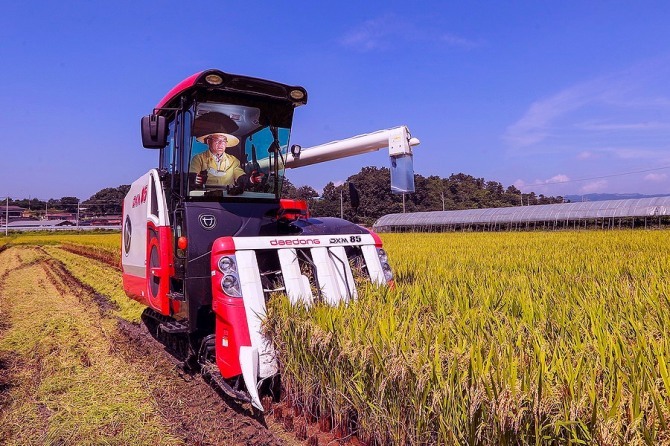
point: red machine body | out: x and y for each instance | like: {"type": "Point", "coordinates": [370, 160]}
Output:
{"type": "Point", "coordinates": [204, 257]}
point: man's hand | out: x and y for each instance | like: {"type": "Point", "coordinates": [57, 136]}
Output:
{"type": "Point", "coordinates": [201, 178]}
{"type": "Point", "coordinates": [239, 186]}
{"type": "Point", "coordinates": [256, 177]}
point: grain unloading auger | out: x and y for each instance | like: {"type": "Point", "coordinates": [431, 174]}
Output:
{"type": "Point", "coordinates": [207, 238]}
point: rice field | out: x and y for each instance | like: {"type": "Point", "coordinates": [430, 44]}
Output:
{"type": "Point", "coordinates": [493, 338]}
{"type": "Point", "coordinates": [488, 338]}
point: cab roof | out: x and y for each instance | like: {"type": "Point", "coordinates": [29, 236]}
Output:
{"type": "Point", "coordinates": [226, 82]}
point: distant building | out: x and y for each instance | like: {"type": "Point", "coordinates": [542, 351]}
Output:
{"type": "Point", "coordinates": [105, 220]}
{"type": "Point", "coordinates": [40, 223]}
{"type": "Point", "coordinates": [13, 212]}
{"type": "Point", "coordinates": [61, 216]}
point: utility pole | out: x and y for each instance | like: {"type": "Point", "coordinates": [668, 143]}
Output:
{"type": "Point", "coordinates": [442, 196]}
{"type": "Point", "coordinates": [341, 202]}
{"type": "Point", "coordinates": [7, 216]}
{"type": "Point", "coordinates": [77, 214]}
{"type": "Point", "coordinates": [403, 203]}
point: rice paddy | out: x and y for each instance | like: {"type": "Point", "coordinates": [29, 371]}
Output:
{"type": "Point", "coordinates": [493, 338]}
{"type": "Point", "coordinates": [489, 338]}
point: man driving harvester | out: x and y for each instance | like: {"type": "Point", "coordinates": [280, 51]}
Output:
{"type": "Point", "coordinates": [215, 167]}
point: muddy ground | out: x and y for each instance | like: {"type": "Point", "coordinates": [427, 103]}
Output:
{"type": "Point", "coordinates": [191, 409]}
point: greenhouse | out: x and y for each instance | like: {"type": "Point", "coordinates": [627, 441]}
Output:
{"type": "Point", "coordinates": [635, 213]}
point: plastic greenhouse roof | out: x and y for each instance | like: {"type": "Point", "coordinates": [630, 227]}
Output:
{"type": "Point", "coordinates": [637, 207]}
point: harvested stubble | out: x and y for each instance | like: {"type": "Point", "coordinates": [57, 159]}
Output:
{"type": "Point", "coordinates": [105, 247]}
{"type": "Point", "coordinates": [508, 338]}
{"type": "Point", "coordinates": [66, 386]}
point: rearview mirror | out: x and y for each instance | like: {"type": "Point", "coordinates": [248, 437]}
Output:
{"type": "Point", "coordinates": [402, 174]}
{"type": "Point", "coordinates": [295, 151]}
{"type": "Point", "coordinates": [154, 132]}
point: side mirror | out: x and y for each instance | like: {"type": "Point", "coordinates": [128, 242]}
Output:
{"type": "Point", "coordinates": [402, 174]}
{"type": "Point", "coordinates": [154, 132]}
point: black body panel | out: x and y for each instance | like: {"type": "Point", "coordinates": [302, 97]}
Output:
{"type": "Point", "coordinates": [326, 226]}
{"type": "Point", "coordinates": [226, 219]}
{"type": "Point", "coordinates": [237, 219]}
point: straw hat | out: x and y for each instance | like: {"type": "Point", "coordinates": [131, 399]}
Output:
{"type": "Point", "coordinates": [213, 124]}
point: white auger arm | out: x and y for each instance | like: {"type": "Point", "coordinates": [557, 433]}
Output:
{"type": "Point", "coordinates": [397, 139]}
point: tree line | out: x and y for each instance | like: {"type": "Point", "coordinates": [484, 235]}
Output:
{"type": "Point", "coordinates": [433, 193]}
{"type": "Point", "coordinates": [108, 201]}
{"type": "Point", "coordinates": [373, 187]}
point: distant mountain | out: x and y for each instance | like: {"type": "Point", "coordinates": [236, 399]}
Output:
{"type": "Point", "coordinates": [603, 197]}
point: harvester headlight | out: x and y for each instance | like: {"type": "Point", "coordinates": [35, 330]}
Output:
{"type": "Point", "coordinates": [231, 285]}
{"type": "Point", "coordinates": [227, 265]}
{"type": "Point", "coordinates": [388, 274]}
{"type": "Point", "coordinates": [214, 79]}
{"type": "Point", "coordinates": [297, 94]}
{"type": "Point", "coordinates": [386, 268]}
{"type": "Point", "coordinates": [382, 255]}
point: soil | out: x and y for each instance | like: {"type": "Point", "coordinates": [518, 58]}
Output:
{"type": "Point", "coordinates": [194, 410]}
{"type": "Point", "coordinates": [104, 257]}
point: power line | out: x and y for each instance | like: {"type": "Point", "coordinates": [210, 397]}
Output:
{"type": "Point", "coordinates": [598, 177]}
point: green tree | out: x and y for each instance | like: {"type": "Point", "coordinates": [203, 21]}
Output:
{"type": "Point", "coordinates": [107, 201]}
{"type": "Point", "coordinates": [458, 191]}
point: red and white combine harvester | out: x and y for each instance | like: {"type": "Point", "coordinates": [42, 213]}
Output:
{"type": "Point", "coordinates": [207, 238]}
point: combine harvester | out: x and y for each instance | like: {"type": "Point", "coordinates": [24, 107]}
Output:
{"type": "Point", "coordinates": [206, 244]}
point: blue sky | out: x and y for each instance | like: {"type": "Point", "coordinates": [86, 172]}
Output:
{"type": "Point", "coordinates": [555, 97]}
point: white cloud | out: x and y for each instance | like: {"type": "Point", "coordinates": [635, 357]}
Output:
{"type": "Point", "coordinates": [594, 186]}
{"type": "Point", "coordinates": [457, 41]}
{"type": "Point", "coordinates": [615, 103]}
{"type": "Point", "coordinates": [535, 124]}
{"type": "Point", "coordinates": [586, 155]}
{"type": "Point", "coordinates": [541, 186]}
{"type": "Point", "coordinates": [381, 32]}
{"type": "Point", "coordinates": [656, 177]}
{"type": "Point", "coordinates": [560, 178]}
{"type": "Point", "coordinates": [370, 35]}
{"type": "Point", "coordinates": [658, 156]}
{"type": "Point", "coordinates": [598, 126]}
{"type": "Point", "coordinates": [629, 154]}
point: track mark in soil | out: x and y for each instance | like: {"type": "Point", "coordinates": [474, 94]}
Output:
{"type": "Point", "coordinates": [64, 281]}
{"type": "Point", "coordinates": [106, 258]}
{"type": "Point", "coordinates": [5, 357]}
{"type": "Point", "coordinates": [196, 412]}
{"type": "Point", "coordinates": [5, 378]}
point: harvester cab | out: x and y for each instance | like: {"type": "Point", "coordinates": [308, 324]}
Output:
{"type": "Point", "coordinates": [207, 238]}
